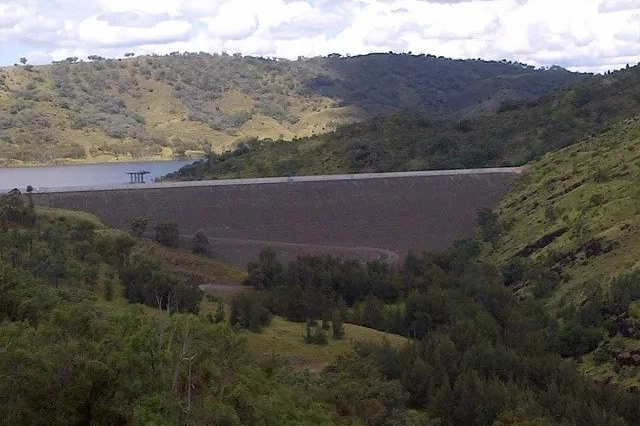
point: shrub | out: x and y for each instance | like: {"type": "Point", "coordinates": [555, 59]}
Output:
{"type": "Point", "coordinates": [315, 335]}
{"type": "Point", "coordinates": [200, 243]}
{"type": "Point", "coordinates": [167, 234]}
{"type": "Point", "coordinates": [138, 226]}
{"type": "Point", "coordinates": [246, 311]}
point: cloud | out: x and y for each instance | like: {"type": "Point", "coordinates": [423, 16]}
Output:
{"type": "Point", "coordinates": [100, 33]}
{"type": "Point", "coordinates": [133, 19]}
{"type": "Point", "coordinates": [608, 6]}
{"type": "Point", "coordinates": [574, 33]}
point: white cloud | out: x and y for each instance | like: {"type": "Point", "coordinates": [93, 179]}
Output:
{"type": "Point", "coordinates": [99, 33]}
{"type": "Point", "coordinates": [579, 34]}
{"type": "Point", "coordinates": [618, 5]}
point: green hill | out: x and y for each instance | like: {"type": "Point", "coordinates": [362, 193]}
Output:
{"type": "Point", "coordinates": [517, 132]}
{"type": "Point", "coordinates": [569, 236]}
{"type": "Point", "coordinates": [181, 104]}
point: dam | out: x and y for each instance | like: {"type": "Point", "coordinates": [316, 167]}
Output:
{"type": "Point", "coordinates": [368, 216]}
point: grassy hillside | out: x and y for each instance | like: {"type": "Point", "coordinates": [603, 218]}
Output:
{"type": "Point", "coordinates": [512, 135]}
{"type": "Point", "coordinates": [181, 104]}
{"type": "Point", "coordinates": [283, 339]}
{"type": "Point", "coordinates": [570, 236]}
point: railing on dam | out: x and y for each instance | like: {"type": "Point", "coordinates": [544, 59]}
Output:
{"type": "Point", "coordinates": [272, 180]}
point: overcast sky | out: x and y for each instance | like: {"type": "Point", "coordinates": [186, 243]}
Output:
{"type": "Point", "coordinates": [583, 35]}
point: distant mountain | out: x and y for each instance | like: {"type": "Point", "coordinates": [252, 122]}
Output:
{"type": "Point", "coordinates": [160, 107]}
{"type": "Point", "coordinates": [516, 132]}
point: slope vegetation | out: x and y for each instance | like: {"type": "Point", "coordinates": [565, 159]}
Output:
{"type": "Point", "coordinates": [75, 350]}
{"type": "Point", "coordinates": [515, 133]}
{"type": "Point", "coordinates": [569, 235]}
{"type": "Point", "coordinates": [180, 104]}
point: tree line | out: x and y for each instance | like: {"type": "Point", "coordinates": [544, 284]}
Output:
{"type": "Point", "coordinates": [478, 354]}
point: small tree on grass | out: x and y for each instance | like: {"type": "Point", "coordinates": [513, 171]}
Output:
{"type": "Point", "coordinates": [315, 335]}
{"type": "Point", "coordinates": [337, 326]}
{"type": "Point", "coordinates": [200, 243]}
{"type": "Point", "coordinates": [167, 234]}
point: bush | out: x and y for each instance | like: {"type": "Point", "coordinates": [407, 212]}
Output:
{"type": "Point", "coordinates": [316, 337]}
{"type": "Point", "coordinates": [138, 226]}
{"type": "Point", "coordinates": [246, 311]}
{"type": "Point", "coordinates": [200, 244]}
{"type": "Point", "coordinates": [146, 281]}
{"type": "Point", "coordinates": [167, 234]}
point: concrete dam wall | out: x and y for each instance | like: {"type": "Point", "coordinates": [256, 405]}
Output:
{"type": "Point", "coordinates": [367, 216]}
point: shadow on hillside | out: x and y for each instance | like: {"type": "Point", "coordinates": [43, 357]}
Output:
{"type": "Point", "coordinates": [381, 83]}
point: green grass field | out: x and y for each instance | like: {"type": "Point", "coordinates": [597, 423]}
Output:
{"type": "Point", "coordinates": [284, 340]}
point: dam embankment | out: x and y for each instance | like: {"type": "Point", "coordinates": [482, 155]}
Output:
{"type": "Point", "coordinates": [367, 216]}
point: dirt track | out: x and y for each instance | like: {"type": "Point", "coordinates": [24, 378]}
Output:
{"type": "Point", "coordinates": [368, 218]}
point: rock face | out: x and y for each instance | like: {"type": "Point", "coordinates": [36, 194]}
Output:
{"type": "Point", "coordinates": [367, 218]}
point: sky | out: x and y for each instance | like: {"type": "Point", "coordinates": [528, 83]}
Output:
{"type": "Point", "coordinates": [580, 35]}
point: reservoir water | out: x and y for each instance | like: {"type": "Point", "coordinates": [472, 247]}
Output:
{"type": "Point", "coordinates": [83, 174]}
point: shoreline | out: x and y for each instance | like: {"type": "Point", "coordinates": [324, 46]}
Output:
{"type": "Point", "coordinates": [107, 161]}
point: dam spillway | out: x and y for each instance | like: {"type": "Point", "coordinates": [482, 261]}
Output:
{"type": "Point", "coordinates": [366, 216]}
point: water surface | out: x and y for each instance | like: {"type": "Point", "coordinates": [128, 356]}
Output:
{"type": "Point", "coordinates": [83, 174]}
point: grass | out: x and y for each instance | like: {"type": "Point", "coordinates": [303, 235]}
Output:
{"type": "Point", "coordinates": [158, 107]}
{"type": "Point", "coordinates": [201, 269]}
{"type": "Point", "coordinates": [53, 213]}
{"type": "Point", "coordinates": [284, 340]}
{"type": "Point", "coordinates": [590, 190]}
{"type": "Point", "coordinates": [165, 116]}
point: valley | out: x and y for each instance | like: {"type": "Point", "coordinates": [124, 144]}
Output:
{"type": "Point", "coordinates": [355, 246]}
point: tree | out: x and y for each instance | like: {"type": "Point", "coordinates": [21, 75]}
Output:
{"type": "Point", "coordinates": [138, 226]}
{"type": "Point", "coordinates": [315, 335]}
{"type": "Point", "coordinates": [337, 325]}
{"type": "Point", "coordinates": [200, 243]}
{"type": "Point", "coordinates": [267, 272]}
{"type": "Point", "coordinates": [167, 234]}
{"type": "Point", "coordinates": [219, 315]}
{"type": "Point", "coordinates": [246, 311]}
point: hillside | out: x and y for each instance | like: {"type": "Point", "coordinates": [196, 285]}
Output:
{"type": "Point", "coordinates": [568, 234]}
{"type": "Point", "coordinates": [181, 104]}
{"type": "Point", "coordinates": [512, 135]}
{"type": "Point", "coordinates": [98, 327]}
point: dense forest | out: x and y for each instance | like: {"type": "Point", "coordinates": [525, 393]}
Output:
{"type": "Point", "coordinates": [192, 103]}
{"type": "Point", "coordinates": [516, 133]}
